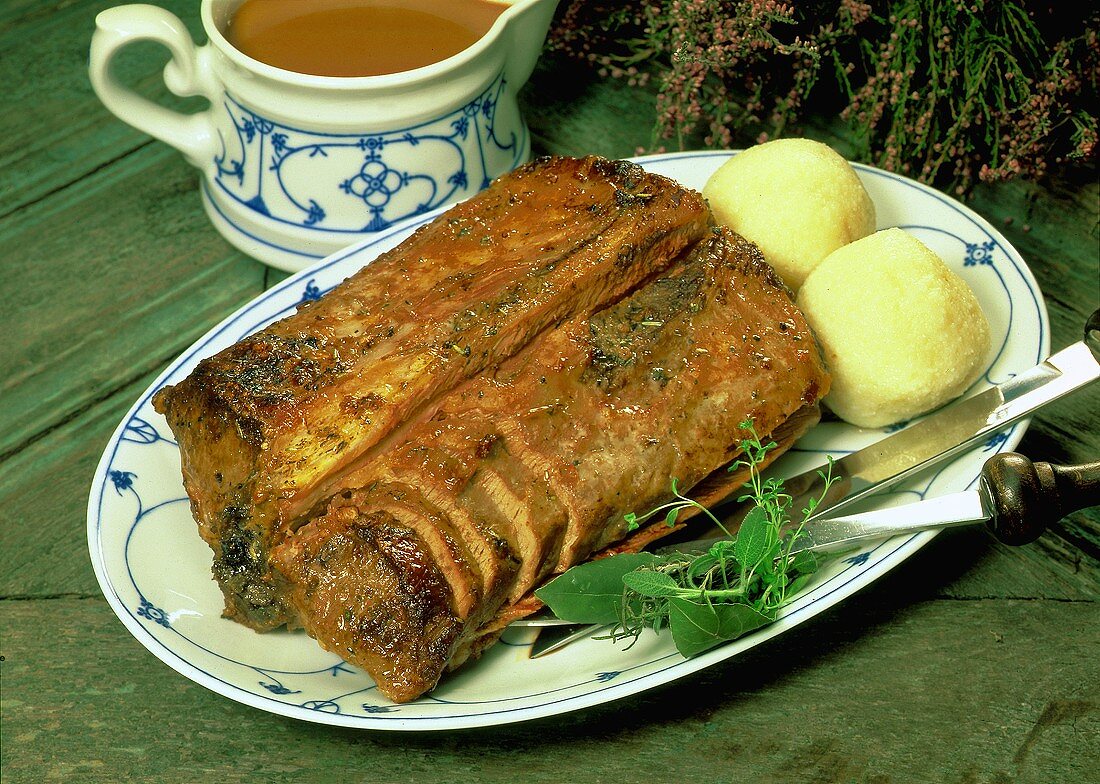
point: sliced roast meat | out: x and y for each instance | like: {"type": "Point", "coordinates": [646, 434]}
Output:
{"type": "Point", "coordinates": [269, 427]}
{"type": "Point", "coordinates": [549, 449]}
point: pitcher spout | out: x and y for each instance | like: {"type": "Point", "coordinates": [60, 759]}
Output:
{"type": "Point", "coordinates": [526, 24]}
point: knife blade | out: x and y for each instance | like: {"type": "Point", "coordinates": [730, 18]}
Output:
{"type": "Point", "coordinates": [1015, 498]}
{"type": "Point", "coordinates": [948, 432]}
{"type": "Point", "coordinates": [556, 634]}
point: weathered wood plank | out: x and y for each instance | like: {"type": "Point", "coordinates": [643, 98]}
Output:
{"type": "Point", "coordinates": [57, 131]}
{"type": "Point", "coordinates": [43, 503]}
{"type": "Point", "coordinates": [110, 280]}
{"type": "Point", "coordinates": [883, 689]}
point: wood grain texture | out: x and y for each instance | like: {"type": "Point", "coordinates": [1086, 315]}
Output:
{"type": "Point", "coordinates": [972, 663]}
{"type": "Point", "coordinates": [115, 278]}
{"type": "Point", "coordinates": [43, 503]}
{"type": "Point", "coordinates": [861, 694]}
{"type": "Point", "coordinates": [134, 226]}
{"type": "Point", "coordinates": [58, 131]}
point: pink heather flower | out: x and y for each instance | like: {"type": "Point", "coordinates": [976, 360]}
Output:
{"type": "Point", "coordinates": [723, 68]}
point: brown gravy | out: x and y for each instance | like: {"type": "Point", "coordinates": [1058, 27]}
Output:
{"type": "Point", "coordinates": [358, 37]}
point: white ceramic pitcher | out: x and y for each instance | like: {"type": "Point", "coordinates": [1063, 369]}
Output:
{"type": "Point", "coordinates": [294, 166]}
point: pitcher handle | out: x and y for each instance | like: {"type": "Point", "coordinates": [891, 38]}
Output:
{"type": "Point", "coordinates": [187, 73]}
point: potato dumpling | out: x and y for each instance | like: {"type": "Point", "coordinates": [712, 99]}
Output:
{"type": "Point", "coordinates": [797, 199]}
{"type": "Point", "coordinates": [902, 333]}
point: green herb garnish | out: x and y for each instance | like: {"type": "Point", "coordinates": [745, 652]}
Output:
{"type": "Point", "coordinates": [737, 585]}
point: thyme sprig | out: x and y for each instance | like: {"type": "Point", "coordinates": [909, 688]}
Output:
{"type": "Point", "coordinates": [738, 584]}
{"type": "Point", "coordinates": [672, 511]}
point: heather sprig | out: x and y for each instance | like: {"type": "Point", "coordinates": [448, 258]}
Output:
{"type": "Point", "coordinates": [943, 90]}
{"type": "Point", "coordinates": [957, 91]}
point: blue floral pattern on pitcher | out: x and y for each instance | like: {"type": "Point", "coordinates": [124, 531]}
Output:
{"type": "Point", "coordinates": [304, 179]}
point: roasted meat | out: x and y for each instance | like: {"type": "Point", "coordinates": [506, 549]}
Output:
{"type": "Point", "coordinates": [529, 468]}
{"type": "Point", "coordinates": [397, 466]}
{"type": "Point", "coordinates": [268, 427]}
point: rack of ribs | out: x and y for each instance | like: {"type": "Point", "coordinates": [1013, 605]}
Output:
{"type": "Point", "coordinates": [397, 466]}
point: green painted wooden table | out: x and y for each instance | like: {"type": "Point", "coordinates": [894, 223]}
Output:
{"type": "Point", "coordinates": [972, 662]}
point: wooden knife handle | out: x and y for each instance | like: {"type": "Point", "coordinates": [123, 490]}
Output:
{"type": "Point", "coordinates": [1027, 496]}
{"type": "Point", "coordinates": [1092, 333]}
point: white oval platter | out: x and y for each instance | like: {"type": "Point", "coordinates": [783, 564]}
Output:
{"type": "Point", "coordinates": [155, 571]}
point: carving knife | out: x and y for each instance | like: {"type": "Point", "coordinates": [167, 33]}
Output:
{"type": "Point", "coordinates": [1015, 498]}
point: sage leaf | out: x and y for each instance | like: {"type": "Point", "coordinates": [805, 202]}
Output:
{"type": "Point", "coordinates": [699, 626]}
{"type": "Point", "coordinates": [798, 583]}
{"type": "Point", "coordinates": [755, 538]}
{"type": "Point", "coordinates": [651, 583]}
{"type": "Point", "coordinates": [593, 591]}
{"type": "Point", "coordinates": [701, 565]}
{"type": "Point", "coordinates": [737, 620]}
{"type": "Point", "coordinates": [724, 548]}
{"type": "Point", "coordinates": [804, 562]}
{"type": "Point", "coordinates": [694, 626]}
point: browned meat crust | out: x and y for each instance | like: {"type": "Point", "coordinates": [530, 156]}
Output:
{"type": "Point", "coordinates": [528, 468]}
{"type": "Point", "coordinates": [269, 427]}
